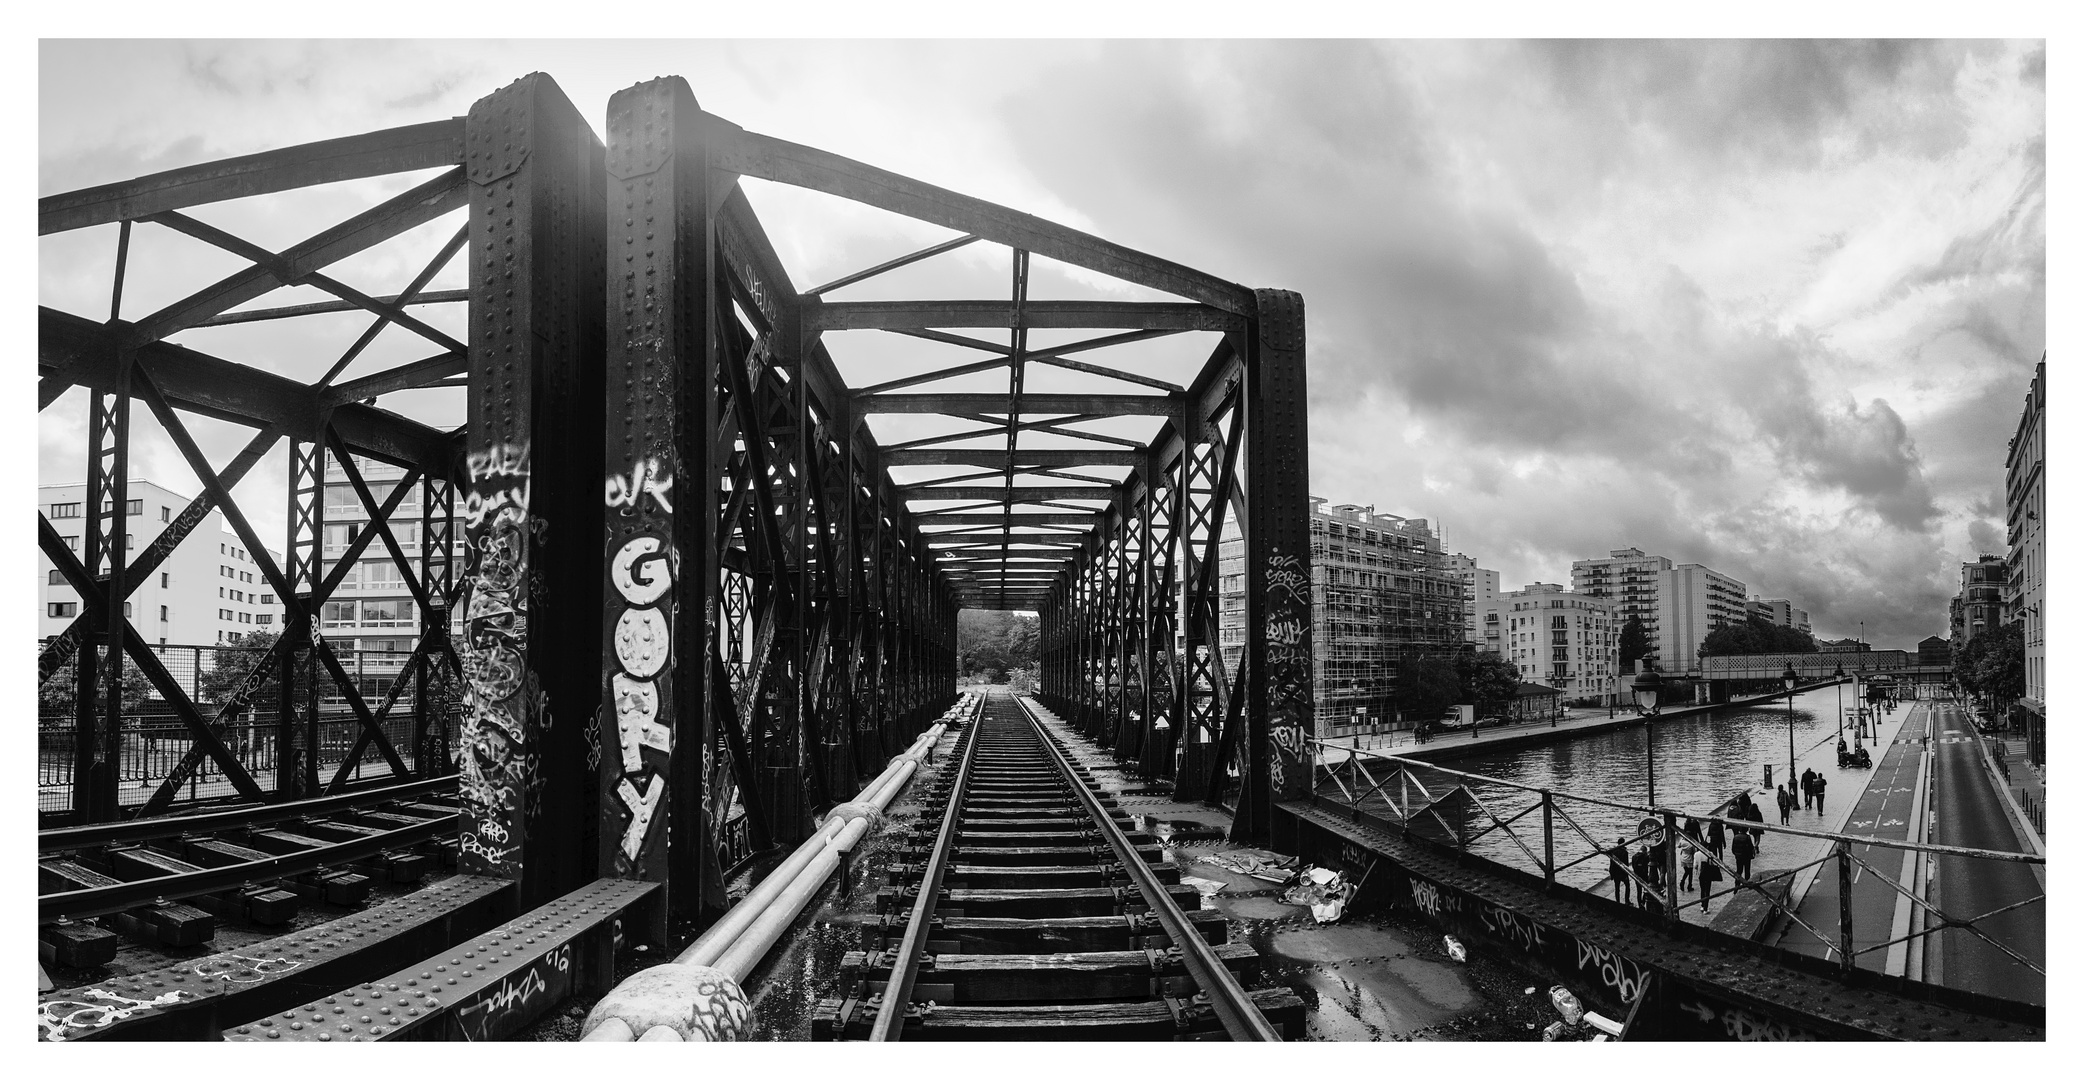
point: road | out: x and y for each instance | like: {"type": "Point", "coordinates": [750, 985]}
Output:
{"type": "Point", "coordinates": [1969, 812]}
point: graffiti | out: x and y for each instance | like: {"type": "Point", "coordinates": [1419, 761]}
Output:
{"type": "Point", "coordinates": [641, 571]}
{"type": "Point", "coordinates": [1277, 777]}
{"type": "Point", "coordinates": [647, 477]}
{"type": "Point", "coordinates": [515, 993]}
{"type": "Point", "coordinates": [1622, 975]}
{"type": "Point", "coordinates": [233, 968]}
{"type": "Point", "coordinates": [1284, 574]}
{"type": "Point", "coordinates": [1744, 1027]}
{"type": "Point", "coordinates": [506, 459]}
{"type": "Point", "coordinates": [593, 741]}
{"type": "Point", "coordinates": [58, 1019]}
{"type": "Point", "coordinates": [1288, 737]}
{"type": "Point", "coordinates": [1425, 896]}
{"type": "Point", "coordinates": [1285, 630]}
{"type": "Point", "coordinates": [493, 831]}
{"type": "Point", "coordinates": [1512, 926]}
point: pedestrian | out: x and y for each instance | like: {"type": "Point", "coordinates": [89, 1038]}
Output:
{"type": "Point", "coordinates": [1809, 783]}
{"type": "Point", "coordinates": [1819, 794]}
{"type": "Point", "coordinates": [1783, 801]}
{"type": "Point", "coordinates": [1644, 876]}
{"type": "Point", "coordinates": [1716, 837]}
{"type": "Point", "coordinates": [1753, 813]}
{"type": "Point", "coordinates": [1686, 867]}
{"type": "Point", "coordinates": [1710, 873]}
{"type": "Point", "coordinates": [1617, 868]}
{"type": "Point", "coordinates": [1742, 848]}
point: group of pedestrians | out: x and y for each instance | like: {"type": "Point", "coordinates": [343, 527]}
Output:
{"type": "Point", "coordinates": [1812, 785]}
{"type": "Point", "coordinates": [1700, 854]}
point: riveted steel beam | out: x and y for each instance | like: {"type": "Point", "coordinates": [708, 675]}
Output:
{"type": "Point", "coordinates": [1029, 404]}
{"type": "Point", "coordinates": [1041, 315]}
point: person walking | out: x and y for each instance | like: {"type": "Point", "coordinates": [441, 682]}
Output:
{"type": "Point", "coordinates": [1716, 836]}
{"type": "Point", "coordinates": [1808, 787]}
{"type": "Point", "coordinates": [1819, 794]}
{"type": "Point", "coordinates": [1784, 801]}
{"type": "Point", "coordinates": [1617, 868]}
{"type": "Point", "coordinates": [1753, 813]}
{"type": "Point", "coordinates": [1710, 873]}
{"type": "Point", "coordinates": [1686, 867]}
{"type": "Point", "coordinates": [1743, 849]}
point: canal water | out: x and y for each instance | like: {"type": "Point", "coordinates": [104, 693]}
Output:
{"type": "Point", "coordinates": [1701, 761]}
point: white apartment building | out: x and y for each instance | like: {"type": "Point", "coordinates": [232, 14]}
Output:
{"type": "Point", "coordinates": [1679, 605]}
{"type": "Point", "coordinates": [1566, 640]}
{"type": "Point", "coordinates": [1478, 586]}
{"type": "Point", "coordinates": [207, 592]}
{"type": "Point", "coordinates": [372, 611]}
{"type": "Point", "coordinates": [1779, 612]}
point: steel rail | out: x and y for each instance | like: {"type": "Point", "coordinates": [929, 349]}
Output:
{"type": "Point", "coordinates": [108, 899]}
{"type": "Point", "coordinates": [1405, 763]}
{"type": "Point", "coordinates": [154, 828]}
{"type": "Point", "coordinates": [904, 972]}
{"type": "Point", "coordinates": [1232, 1003]}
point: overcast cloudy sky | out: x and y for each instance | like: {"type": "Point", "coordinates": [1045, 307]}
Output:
{"type": "Point", "coordinates": [1767, 306]}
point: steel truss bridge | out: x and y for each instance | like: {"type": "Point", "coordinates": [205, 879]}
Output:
{"type": "Point", "coordinates": [675, 598]}
{"type": "Point", "coordinates": [676, 574]}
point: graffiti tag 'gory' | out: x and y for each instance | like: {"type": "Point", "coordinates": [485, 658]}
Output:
{"type": "Point", "coordinates": [641, 571]}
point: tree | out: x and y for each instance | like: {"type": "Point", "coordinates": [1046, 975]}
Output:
{"type": "Point", "coordinates": [234, 663]}
{"type": "Point", "coordinates": [2000, 663]}
{"type": "Point", "coordinates": [1635, 641]}
{"type": "Point", "coordinates": [1426, 687]}
{"type": "Point", "coordinates": [994, 642]}
{"type": "Point", "coordinates": [1488, 680]}
{"type": "Point", "coordinates": [1754, 636]}
{"type": "Point", "coordinates": [59, 693]}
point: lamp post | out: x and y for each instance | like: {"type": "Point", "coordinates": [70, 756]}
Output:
{"type": "Point", "coordinates": [1839, 675]}
{"type": "Point", "coordinates": [1645, 687]}
{"type": "Point", "coordinates": [1788, 678]}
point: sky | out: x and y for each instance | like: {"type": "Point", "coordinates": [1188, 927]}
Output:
{"type": "Point", "coordinates": [1768, 306]}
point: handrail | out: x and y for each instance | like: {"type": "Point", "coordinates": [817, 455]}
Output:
{"type": "Point", "coordinates": [1232, 1004]}
{"type": "Point", "coordinates": [904, 972]}
{"type": "Point", "coordinates": [154, 828]}
{"type": "Point", "coordinates": [1876, 841]}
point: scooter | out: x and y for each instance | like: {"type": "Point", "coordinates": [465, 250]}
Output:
{"type": "Point", "coordinates": [1855, 759]}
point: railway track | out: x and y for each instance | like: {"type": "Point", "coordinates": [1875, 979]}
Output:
{"type": "Point", "coordinates": [1035, 912]}
{"type": "Point", "coordinates": [172, 882]}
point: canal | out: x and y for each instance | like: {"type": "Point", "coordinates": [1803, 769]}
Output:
{"type": "Point", "coordinates": [1701, 762]}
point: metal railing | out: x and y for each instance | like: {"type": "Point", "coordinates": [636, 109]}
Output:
{"type": "Point", "coordinates": [1556, 835]}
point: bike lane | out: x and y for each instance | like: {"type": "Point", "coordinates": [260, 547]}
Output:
{"type": "Point", "coordinates": [1884, 809]}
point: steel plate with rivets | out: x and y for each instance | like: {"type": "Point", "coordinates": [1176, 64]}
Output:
{"type": "Point", "coordinates": [197, 998]}
{"type": "Point", "coordinates": [486, 988]}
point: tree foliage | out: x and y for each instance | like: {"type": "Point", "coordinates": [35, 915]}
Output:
{"type": "Point", "coordinates": [1426, 687]}
{"type": "Point", "coordinates": [58, 695]}
{"type": "Point", "coordinates": [1993, 663]}
{"type": "Point", "coordinates": [1756, 635]}
{"type": "Point", "coordinates": [234, 663]}
{"type": "Point", "coordinates": [1635, 641]}
{"type": "Point", "coordinates": [994, 643]}
{"type": "Point", "coordinates": [1488, 680]}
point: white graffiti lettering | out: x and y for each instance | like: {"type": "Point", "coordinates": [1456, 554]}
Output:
{"type": "Point", "coordinates": [506, 459]}
{"type": "Point", "coordinates": [641, 571]}
{"type": "Point", "coordinates": [641, 641]}
{"type": "Point", "coordinates": [1744, 1027]}
{"type": "Point", "coordinates": [647, 477]}
{"type": "Point", "coordinates": [1622, 975]}
{"type": "Point", "coordinates": [58, 1018]}
{"type": "Point", "coordinates": [1285, 631]}
{"type": "Point", "coordinates": [244, 969]}
{"type": "Point", "coordinates": [1425, 896]}
{"type": "Point", "coordinates": [1512, 926]}
{"type": "Point", "coordinates": [641, 808]}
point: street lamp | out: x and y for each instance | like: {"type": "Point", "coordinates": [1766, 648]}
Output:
{"type": "Point", "coordinates": [1645, 687]}
{"type": "Point", "coordinates": [1839, 675]}
{"type": "Point", "coordinates": [1788, 679]}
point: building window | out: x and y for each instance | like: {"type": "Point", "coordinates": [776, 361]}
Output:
{"type": "Point", "coordinates": [65, 510]}
{"type": "Point", "coordinates": [72, 543]}
{"type": "Point", "coordinates": [267, 598]}
{"type": "Point", "coordinates": [165, 581]}
{"type": "Point", "coordinates": [162, 613]}
{"type": "Point", "coordinates": [137, 506]}
{"type": "Point", "coordinates": [63, 610]}
{"type": "Point", "coordinates": [166, 513]}
{"type": "Point", "coordinates": [126, 609]}
{"type": "Point", "coordinates": [264, 620]}
{"type": "Point", "coordinates": [220, 592]}
{"type": "Point", "coordinates": [57, 577]}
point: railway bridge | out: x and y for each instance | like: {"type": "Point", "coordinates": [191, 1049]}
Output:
{"type": "Point", "coordinates": [692, 537]}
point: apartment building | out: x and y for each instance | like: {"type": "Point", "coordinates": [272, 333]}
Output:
{"type": "Point", "coordinates": [1478, 586]}
{"type": "Point", "coordinates": [1380, 593]}
{"type": "Point", "coordinates": [372, 612]}
{"type": "Point", "coordinates": [1980, 604]}
{"type": "Point", "coordinates": [1569, 641]}
{"type": "Point", "coordinates": [208, 591]}
{"type": "Point", "coordinates": [1679, 604]}
{"type": "Point", "coordinates": [2026, 583]}
{"type": "Point", "coordinates": [1779, 612]}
